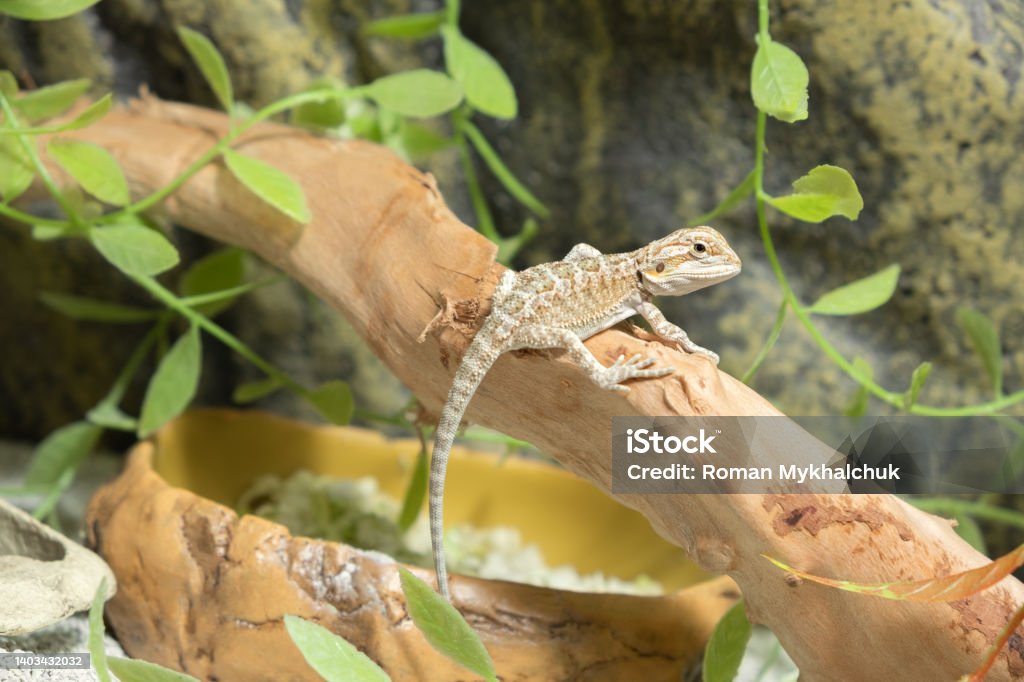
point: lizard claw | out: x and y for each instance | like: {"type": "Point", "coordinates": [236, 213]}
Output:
{"type": "Point", "coordinates": [688, 346]}
{"type": "Point", "coordinates": [713, 356]}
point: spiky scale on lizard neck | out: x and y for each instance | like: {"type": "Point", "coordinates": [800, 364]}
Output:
{"type": "Point", "coordinates": [557, 305]}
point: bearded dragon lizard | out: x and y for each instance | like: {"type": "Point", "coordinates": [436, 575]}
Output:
{"type": "Point", "coordinates": [558, 305]}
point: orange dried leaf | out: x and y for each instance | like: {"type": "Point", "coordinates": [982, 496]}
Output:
{"type": "Point", "coordinates": [943, 588]}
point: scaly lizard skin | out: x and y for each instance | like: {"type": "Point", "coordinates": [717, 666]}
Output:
{"type": "Point", "coordinates": [557, 305]}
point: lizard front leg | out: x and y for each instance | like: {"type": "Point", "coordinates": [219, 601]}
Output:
{"type": "Point", "coordinates": [610, 378]}
{"type": "Point", "coordinates": [666, 330]}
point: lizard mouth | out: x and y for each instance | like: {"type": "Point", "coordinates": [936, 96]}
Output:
{"type": "Point", "coordinates": [723, 270]}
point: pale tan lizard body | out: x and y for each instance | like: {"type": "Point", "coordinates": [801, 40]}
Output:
{"type": "Point", "coordinates": [557, 305]}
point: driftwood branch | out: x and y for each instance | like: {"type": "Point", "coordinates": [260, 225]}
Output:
{"type": "Point", "coordinates": [384, 249]}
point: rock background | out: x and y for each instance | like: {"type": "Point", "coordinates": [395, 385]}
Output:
{"type": "Point", "coordinates": [635, 117]}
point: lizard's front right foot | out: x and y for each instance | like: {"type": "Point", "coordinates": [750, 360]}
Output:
{"type": "Point", "coordinates": [637, 367]}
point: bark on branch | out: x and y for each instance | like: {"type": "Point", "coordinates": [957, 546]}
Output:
{"type": "Point", "coordinates": [384, 249]}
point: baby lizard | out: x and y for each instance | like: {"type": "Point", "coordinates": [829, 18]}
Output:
{"type": "Point", "coordinates": [558, 305]}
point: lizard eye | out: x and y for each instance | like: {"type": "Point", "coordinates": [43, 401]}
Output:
{"type": "Point", "coordinates": [660, 268]}
{"type": "Point", "coordinates": [700, 247]}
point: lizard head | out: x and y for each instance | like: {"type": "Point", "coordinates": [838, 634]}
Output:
{"type": "Point", "coordinates": [686, 260]}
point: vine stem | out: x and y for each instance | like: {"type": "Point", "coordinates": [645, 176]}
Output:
{"type": "Point", "coordinates": [762, 20]}
{"type": "Point", "coordinates": [769, 343]}
{"type": "Point", "coordinates": [476, 195]}
{"type": "Point", "coordinates": [28, 218]}
{"type": "Point", "coordinates": [215, 330]}
{"type": "Point", "coordinates": [33, 155]}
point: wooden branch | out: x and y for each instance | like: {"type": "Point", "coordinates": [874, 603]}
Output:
{"type": "Point", "coordinates": [384, 249]}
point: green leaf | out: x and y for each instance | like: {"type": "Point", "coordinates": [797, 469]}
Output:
{"type": "Point", "coordinates": [504, 175]}
{"type": "Point", "coordinates": [45, 233]}
{"type": "Point", "coordinates": [326, 113]}
{"type": "Point", "coordinates": [48, 101]}
{"type": "Point", "coordinates": [858, 407]}
{"type": "Point", "coordinates": [1014, 464]}
{"type": "Point", "coordinates": [917, 380]}
{"type": "Point", "coordinates": [201, 300]}
{"type": "Point", "coordinates": [96, 649]}
{"type": "Point", "coordinates": [333, 400]}
{"type": "Point", "coordinates": [62, 450]}
{"type": "Point", "coordinates": [82, 308]}
{"type": "Point", "coordinates": [93, 168]}
{"type": "Point", "coordinates": [412, 503]}
{"type": "Point", "coordinates": [219, 271]}
{"type": "Point", "coordinates": [836, 182]}
{"type": "Point", "coordinates": [222, 269]}
{"type": "Point", "coordinates": [45, 509]}
{"type": "Point", "coordinates": [254, 390]}
{"type": "Point", "coordinates": [778, 82]}
{"type": "Point", "coordinates": [89, 115]}
{"type": "Point", "coordinates": [420, 93]}
{"type": "Point", "coordinates": [273, 186]}
{"type": "Point", "coordinates": [824, 192]}
{"type": "Point", "coordinates": [8, 84]}
{"type": "Point", "coordinates": [444, 627]}
{"type": "Point", "coordinates": [134, 249]}
{"type": "Point", "coordinates": [487, 86]}
{"type": "Point", "coordinates": [135, 670]}
{"type": "Point", "coordinates": [724, 652]}
{"type": "Point", "coordinates": [361, 121]}
{"type": "Point", "coordinates": [985, 339]}
{"type": "Point", "coordinates": [859, 296]}
{"type": "Point", "coordinates": [210, 63]}
{"type": "Point", "coordinates": [173, 384]}
{"type": "Point", "coordinates": [330, 655]}
{"type": "Point", "coordinates": [111, 417]}
{"type": "Point", "coordinates": [16, 171]}
{"type": "Point", "coordinates": [414, 142]}
{"type": "Point", "coordinates": [43, 10]}
{"type": "Point", "coordinates": [408, 26]}
{"type": "Point", "coordinates": [969, 530]}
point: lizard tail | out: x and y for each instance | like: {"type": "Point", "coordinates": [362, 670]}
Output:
{"type": "Point", "coordinates": [475, 363]}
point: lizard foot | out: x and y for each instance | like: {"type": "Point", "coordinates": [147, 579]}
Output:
{"type": "Point", "coordinates": [637, 367]}
{"type": "Point", "coordinates": [693, 349]}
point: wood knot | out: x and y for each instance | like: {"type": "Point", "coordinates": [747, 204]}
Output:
{"type": "Point", "coordinates": [715, 556]}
